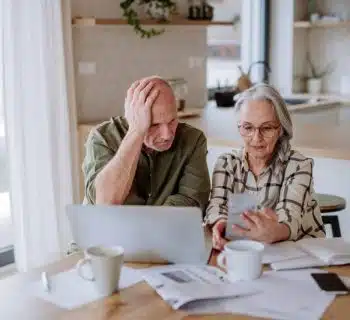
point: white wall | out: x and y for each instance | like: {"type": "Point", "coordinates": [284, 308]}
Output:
{"type": "Point", "coordinates": [122, 57]}
{"type": "Point", "coordinates": [332, 44]}
{"type": "Point", "coordinates": [226, 10]}
{"type": "Point", "coordinates": [325, 45]}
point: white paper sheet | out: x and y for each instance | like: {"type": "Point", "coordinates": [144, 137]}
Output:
{"type": "Point", "coordinates": [282, 251]}
{"type": "Point", "coordinates": [307, 253]}
{"type": "Point", "coordinates": [70, 291]}
{"type": "Point", "coordinates": [284, 295]}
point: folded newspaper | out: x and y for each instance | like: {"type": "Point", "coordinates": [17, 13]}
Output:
{"type": "Point", "coordinates": [179, 285]}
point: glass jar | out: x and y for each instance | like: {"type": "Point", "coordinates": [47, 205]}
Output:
{"type": "Point", "coordinates": [179, 86]}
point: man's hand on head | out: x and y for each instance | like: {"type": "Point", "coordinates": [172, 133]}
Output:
{"type": "Point", "coordinates": [138, 104]}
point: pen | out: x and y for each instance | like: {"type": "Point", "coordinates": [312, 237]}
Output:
{"type": "Point", "coordinates": [45, 281]}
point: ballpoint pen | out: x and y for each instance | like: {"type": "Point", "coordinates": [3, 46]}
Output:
{"type": "Point", "coordinates": [45, 281]}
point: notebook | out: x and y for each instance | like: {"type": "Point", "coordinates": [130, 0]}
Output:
{"type": "Point", "coordinates": [309, 252]}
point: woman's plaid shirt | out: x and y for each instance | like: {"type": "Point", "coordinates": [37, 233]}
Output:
{"type": "Point", "coordinates": [286, 186]}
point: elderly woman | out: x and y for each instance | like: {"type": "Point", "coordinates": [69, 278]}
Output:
{"type": "Point", "coordinates": [267, 167]}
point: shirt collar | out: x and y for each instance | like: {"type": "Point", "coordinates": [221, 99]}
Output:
{"type": "Point", "coordinates": [278, 161]}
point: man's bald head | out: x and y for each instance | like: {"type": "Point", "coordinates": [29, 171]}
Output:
{"type": "Point", "coordinates": [164, 119]}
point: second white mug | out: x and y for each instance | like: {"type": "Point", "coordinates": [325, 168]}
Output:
{"type": "Point", "coordinates": [106, 264]}
{"type": "Point", "coordinates": [242, 259]}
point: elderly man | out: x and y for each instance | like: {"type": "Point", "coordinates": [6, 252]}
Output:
{"type": "Point", "coordinates": [147, 157]}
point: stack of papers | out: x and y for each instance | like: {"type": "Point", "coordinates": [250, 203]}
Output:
{"type": "Point", "coordinates": [307, 253]}
{"type": "Point", "coordinates": [285, 295]}
{"type": "Point", "coordinates": [204, 290]}
{"type": "Point", "coordinates": [179, 285]}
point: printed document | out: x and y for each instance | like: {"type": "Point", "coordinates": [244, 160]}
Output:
{"type": "Point", "coordinates": [181, 284]}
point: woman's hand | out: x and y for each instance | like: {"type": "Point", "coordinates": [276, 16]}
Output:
{"type": "Point", "coordinates": [218, 232]}
{"type": "Point", "coordinates": [262, 226]}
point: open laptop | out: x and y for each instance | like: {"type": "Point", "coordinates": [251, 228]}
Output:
{"type": "Point", "coordinates": [154, 234]}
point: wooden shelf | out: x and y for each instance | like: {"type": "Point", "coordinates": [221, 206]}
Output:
{"type": "Point", "coordinates": [88, 22]}
{"type": "Point", "coordinates": [307, 24]}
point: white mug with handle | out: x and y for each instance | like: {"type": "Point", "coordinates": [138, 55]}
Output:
{"type": "Point", "coordinates": [242, 259]}
{"type": "Point", "coordinates": [106, 264]}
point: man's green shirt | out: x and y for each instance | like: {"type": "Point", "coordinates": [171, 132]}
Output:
{"type": "Point", "coordinates": [176, 177]}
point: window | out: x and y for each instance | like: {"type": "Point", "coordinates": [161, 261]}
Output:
{"type": "Point", "coordinates": [224, 46]}
{"type": "Point", "coordinates": [242, 45]}
{"type": "Point", "coordinates": [6, 235]}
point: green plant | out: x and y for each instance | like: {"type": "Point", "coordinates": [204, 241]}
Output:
{"type": "Point", "coordinates": [132, 17]}
{"type": "Point", "coordinates": [318, 74]}
{"type": "Point", "coordinates": [311, 6]}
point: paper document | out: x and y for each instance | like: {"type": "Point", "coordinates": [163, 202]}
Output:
{"type": "Point", "coordinates": [179, 285]}
{"type": "Point", "coordinates": [69, 291]}
{"type": "Point", "coordinates": [286, 295]}
{"type": "Point", "coordinates": [282, 251]}
{"type": "Point", "coordinates": [317, 252]}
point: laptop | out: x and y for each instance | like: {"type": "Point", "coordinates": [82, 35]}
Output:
{"type": "Point", "coordinates": [148, 234]}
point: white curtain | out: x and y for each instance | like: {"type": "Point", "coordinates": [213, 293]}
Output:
{"type": "Point", "coordinates": [39, 128]}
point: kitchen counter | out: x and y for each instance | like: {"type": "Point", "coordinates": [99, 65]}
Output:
{"type": "Point", "coordinates": [328, 138]}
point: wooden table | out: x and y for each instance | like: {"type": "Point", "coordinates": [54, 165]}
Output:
{"type": "Point", "coordinates": [137, 302]}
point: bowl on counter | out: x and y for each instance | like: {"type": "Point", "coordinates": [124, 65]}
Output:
{"type": "Point", "coordinates": [225, 98]}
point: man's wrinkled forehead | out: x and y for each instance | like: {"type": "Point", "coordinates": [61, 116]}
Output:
{"type": "Point", "coordinates": [164, 108]}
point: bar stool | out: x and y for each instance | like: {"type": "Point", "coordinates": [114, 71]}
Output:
{"type": "Point", "coordinates": [330, 203]}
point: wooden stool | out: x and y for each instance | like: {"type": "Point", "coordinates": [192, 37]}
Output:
{"type": "Point", "coordinates": [330, 203]}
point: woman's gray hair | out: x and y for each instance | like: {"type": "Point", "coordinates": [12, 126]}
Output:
{"type": "Point", "coordinates": [265, 92]}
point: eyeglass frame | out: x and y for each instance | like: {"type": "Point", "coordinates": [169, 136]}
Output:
{"type": "Point", "coordinates": [259, 131]}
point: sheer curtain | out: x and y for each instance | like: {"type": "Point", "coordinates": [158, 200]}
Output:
{"type": "Point", "coordinates": [40, 127]}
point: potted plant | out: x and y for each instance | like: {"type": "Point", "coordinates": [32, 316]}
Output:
{"type": "Point", "coordinates": [313, 15]}
{"type": "Point", "coordinates": [159, 10]}
{"type": "Point", "coordinates": [314, 81]}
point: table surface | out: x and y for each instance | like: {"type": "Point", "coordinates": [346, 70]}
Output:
{"type": "Point", "coordinates": [137, 302]}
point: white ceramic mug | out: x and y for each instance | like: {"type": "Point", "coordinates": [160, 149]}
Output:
{"type": "Point", "coordinates": [106, 264]}
{"type": "Point", "coordinates": [242, 259]}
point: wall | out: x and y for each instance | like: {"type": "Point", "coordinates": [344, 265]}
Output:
{"type": "Point", "coordinates": [122, 57]}
{"type": "Point", "coordinates": [226, 10]}
{"type": "Point", "coordinates": [288, 45]}
{"type": "Point", "coordinates": [332, 44]}
{"type": "Point", "coordinates": [325, 45]}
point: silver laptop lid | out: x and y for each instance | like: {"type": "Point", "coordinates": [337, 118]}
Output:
{"type": "Point", "coordinates": [147, 233]}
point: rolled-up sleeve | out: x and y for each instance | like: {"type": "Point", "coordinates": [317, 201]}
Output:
{"type": "Point", "coordinates": [97, 155]}
{"type": "Point", "coordinates": [295, 195]}
{"type": "Point", "coordinates": [222, 186]}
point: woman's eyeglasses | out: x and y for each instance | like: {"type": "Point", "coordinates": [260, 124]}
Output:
{"type": "Point", "coordinates": [267, 131]}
